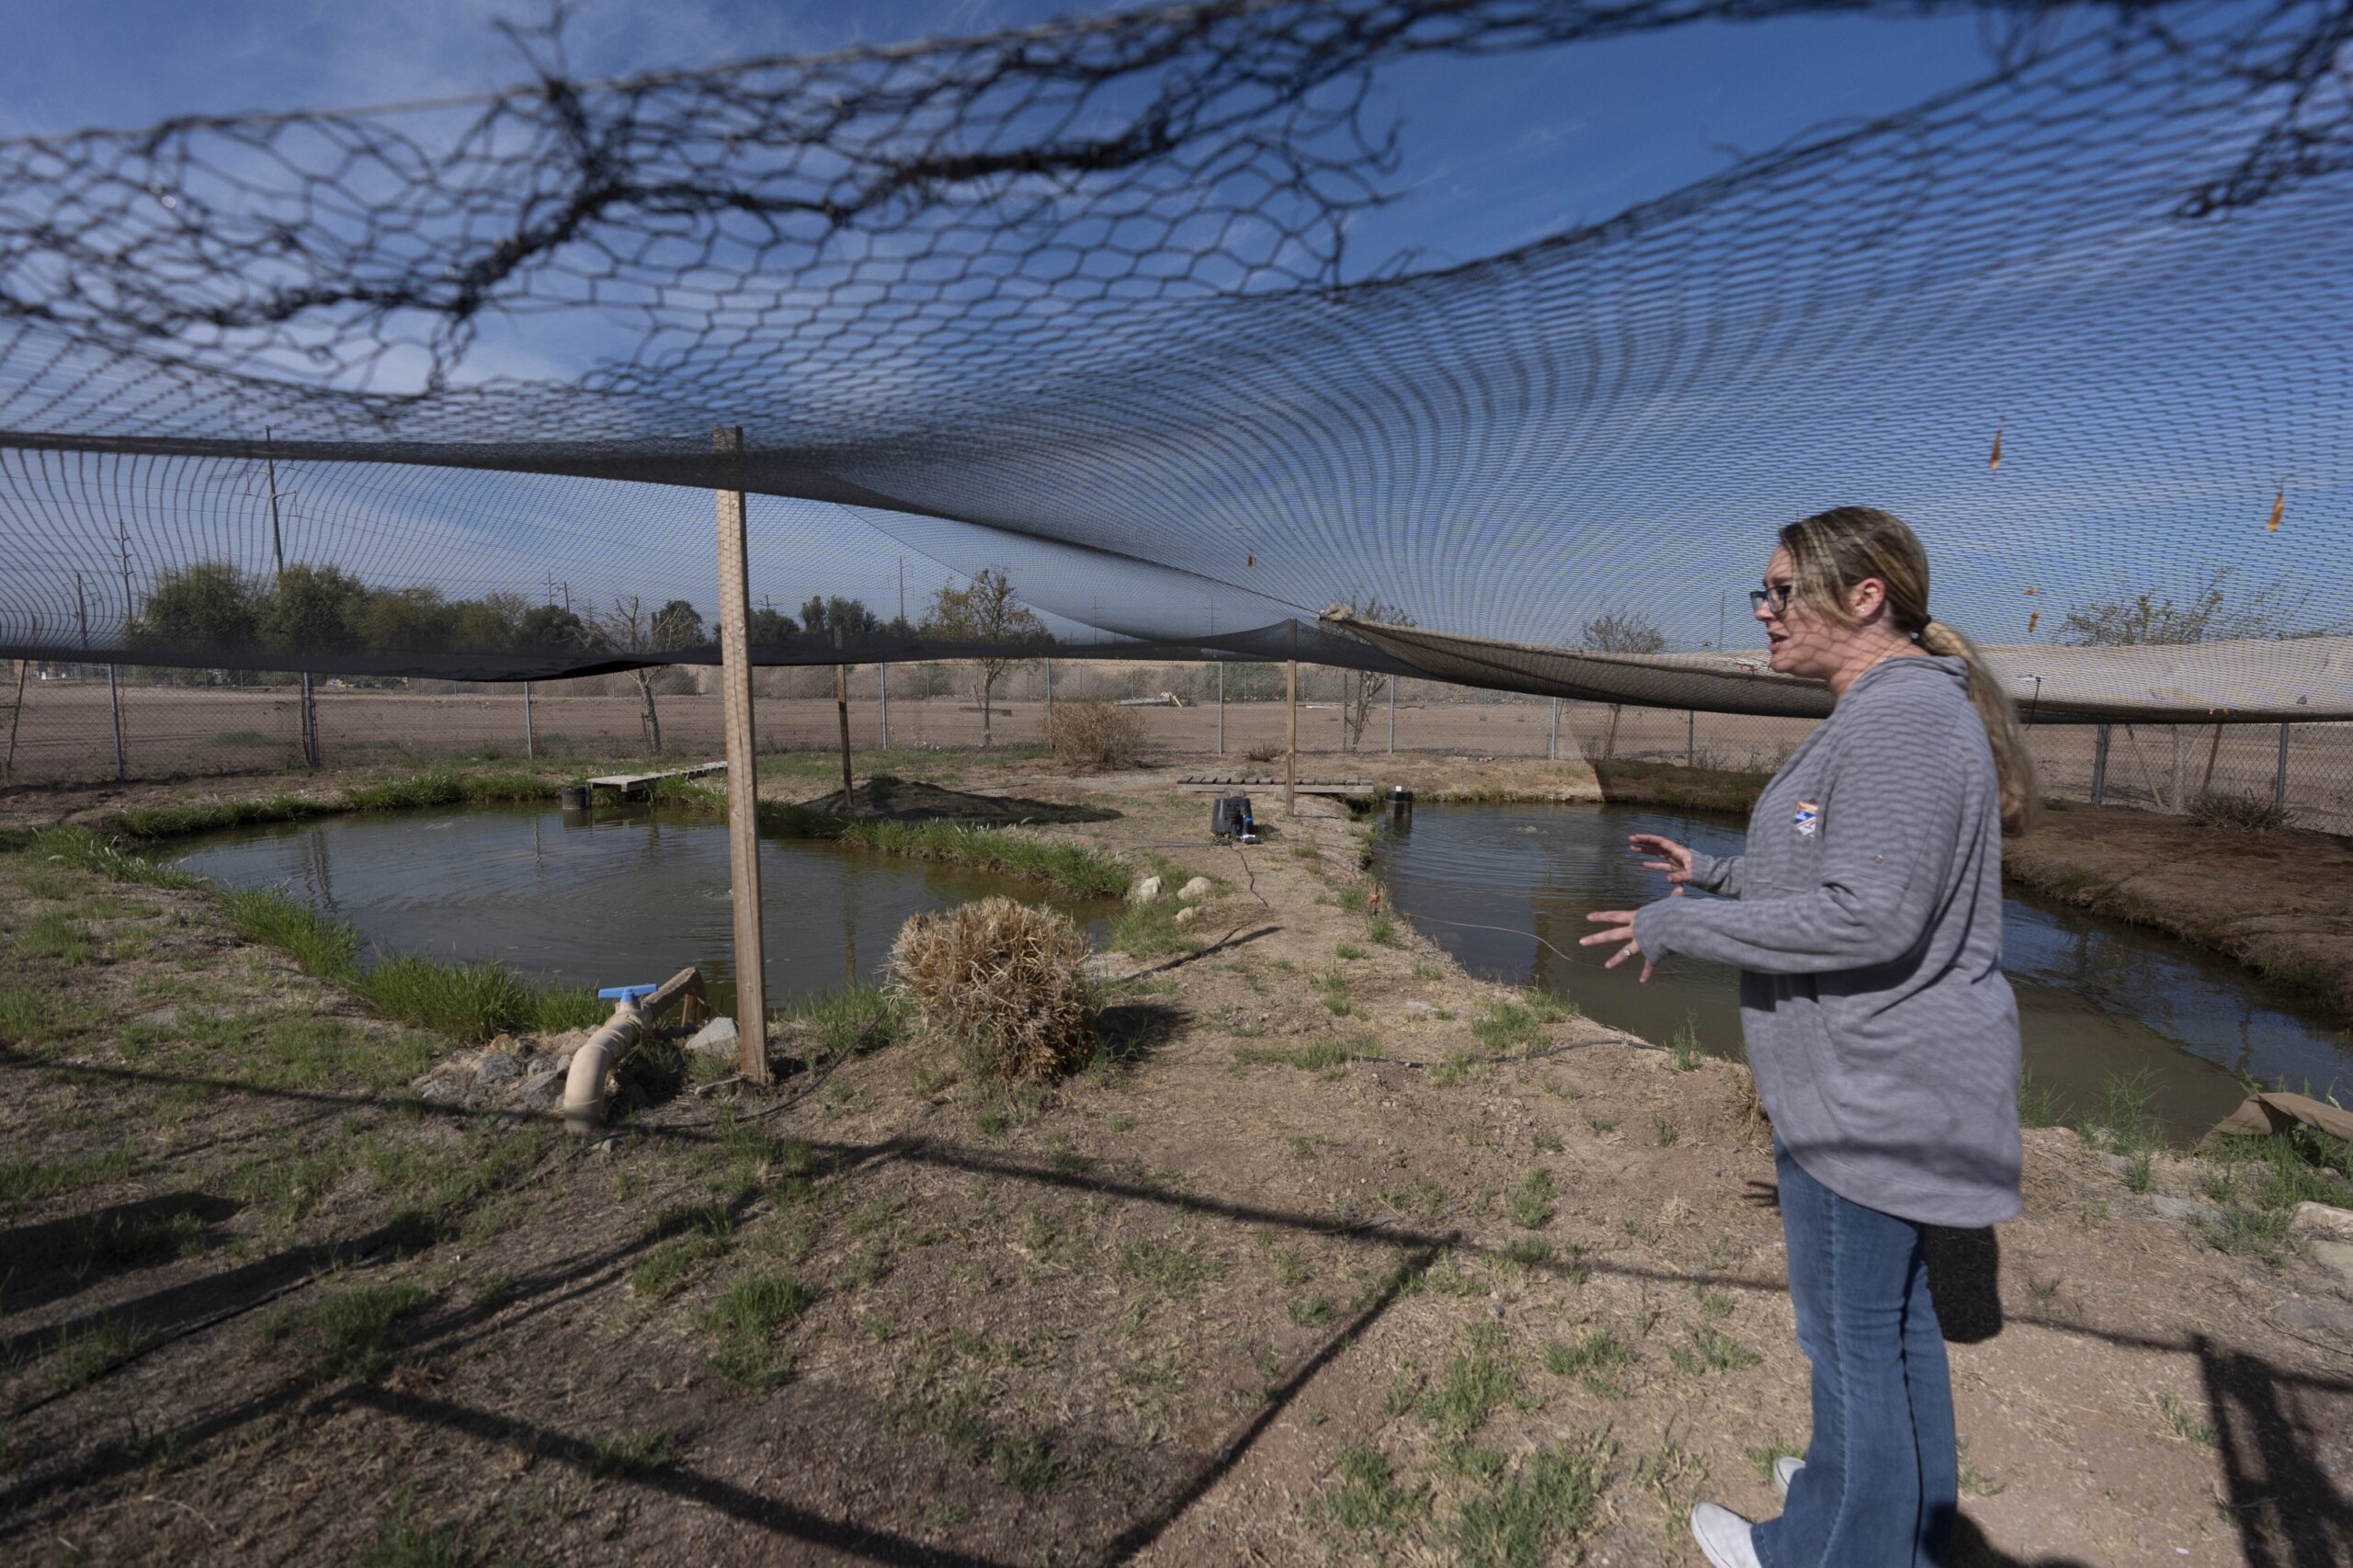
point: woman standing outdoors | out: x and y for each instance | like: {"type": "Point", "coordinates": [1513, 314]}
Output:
{"type": "Point", "coordinates": [1866, 917]}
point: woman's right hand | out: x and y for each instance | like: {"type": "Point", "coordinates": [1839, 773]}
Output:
{"type": "Point", "coordinates": [1674, 858]}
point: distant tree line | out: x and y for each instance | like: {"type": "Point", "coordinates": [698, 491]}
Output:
{"type": "Point", "coordinates": [310, 610]}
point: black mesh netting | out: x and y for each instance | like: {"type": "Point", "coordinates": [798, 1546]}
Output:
{"type": "Point", "coordinates": [1074, 304]}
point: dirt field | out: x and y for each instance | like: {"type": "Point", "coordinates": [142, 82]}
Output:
{"type": "Point", "coordinates": [64, 734]}
{"type": "Point", "coordinates": [1335, 1255]}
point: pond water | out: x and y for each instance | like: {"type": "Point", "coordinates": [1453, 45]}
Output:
{"type": "Point", "coordinates": [2096, 998]}
{"type": "Point", "coordinates": [623, 895]}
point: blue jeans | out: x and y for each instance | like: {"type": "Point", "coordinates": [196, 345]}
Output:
{"type": "Point", "coordinates": [1880, 1482]}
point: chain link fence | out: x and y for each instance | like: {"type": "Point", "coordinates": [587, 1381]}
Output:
{"type": "Point", "coordinates": [62, 725]}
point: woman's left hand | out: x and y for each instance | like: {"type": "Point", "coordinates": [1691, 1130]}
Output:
{"type": "Point", "coordinates": [1621, 924]}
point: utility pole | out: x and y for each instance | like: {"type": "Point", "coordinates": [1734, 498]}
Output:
{"type": "Point", "coordinates": [742, 780]}
{"type": "Point", "coordinates": [310, 712]}
{"type": "Point", "coordinates": [1552, 746]}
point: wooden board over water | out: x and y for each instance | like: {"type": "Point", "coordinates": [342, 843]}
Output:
{"type": "Point", "coordinates": [1196, 783]}
{"type": "Point", "coordinates": [637, 783]}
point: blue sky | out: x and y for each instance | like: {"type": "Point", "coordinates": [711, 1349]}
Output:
{"type": "Point", "coordinates": [1497, 151]}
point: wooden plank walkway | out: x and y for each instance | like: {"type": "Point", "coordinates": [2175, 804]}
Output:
{"type": "Point", "coordinates": [1238, 783]}
{"type": "Point", "coordinates": [636, 783]}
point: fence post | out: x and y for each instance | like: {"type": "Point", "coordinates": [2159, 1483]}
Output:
{"type": "Point", "coordinates": [15, 717]}
{"type": "Point", "coordinates": [1220, 708]}
{"type": "Point", "coordinates": [882, 690]}
{"type": "Point", "coordinates": [1392, 713]}
{"type": "Point", "coordinates": [1553, 746]}
{"type": "Point", "coordinates": [1690, 733]}
{"type": "Point", "coordinates": [530, 742]}
{"type": "Point", "coordinates": [2099, 764]}
{"type": "Point", "coordinates": [1290, 733]}
{"type": "Point", "coordinates": [2279, 778]}
{"type": "Point", "coordinates": [742, 780]}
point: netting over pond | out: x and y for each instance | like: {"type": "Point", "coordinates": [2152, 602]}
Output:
{"type": "Point", "coordinates": [1076, 304]}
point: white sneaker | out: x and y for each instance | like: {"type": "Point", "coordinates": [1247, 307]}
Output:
{"type": "Point", "coordinates": [1724, 1536]}
{"type": "Point", "coordinates": [1785, 1470]}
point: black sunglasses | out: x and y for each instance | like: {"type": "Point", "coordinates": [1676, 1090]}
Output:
{"type": "Point", "coordinates": [1776, 593]}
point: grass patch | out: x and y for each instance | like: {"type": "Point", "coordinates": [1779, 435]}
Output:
{"type": "Point", "coordinates": [1518, 1027]}
{"type": "Point", "coordinates": [1478, 1380]}
{"type": "Point", "coordinates": [856, 1017]}
{"type": "Point", "coordinates": [2038, 1103]}
{"type": "Point", "coordinates": [56, 936]}
{"type": "Point", "coordinates": [1532, 1201]}
{"type": "Point", "coordinates": [2258, 1182]}
{"type": "Point", "coordinates": [81, 1356]}
{"type": "Point", "coordinates": [1761, 1458]}
{"type": "Point", "coordinates": [2185, 1423]}
{"type": "Point", "coordinates": [472, 1000]}
{"type": "Point", "coordinates": [89, 851]}
{"type": "Point", "coordinates": [1592, 1359]}
{"type": "Point", "coordinates": [1713, 1350]}
{"type": "Point", "coordinates": [352, 1334]}
{"type": "Point", "coordinates": [402, 1542]}
{"type": "Point", "coordinates": [1148, 931]}
{"type": "Point", "coordinates": [1172, 1270]}
{"type": "Point", "coordinates": [1072, 868]}
{"type": "Point", "coordinates": [1526, 1521]}
{"type": "Point", "coordinates": [2123, 1120]}
{"type": "Point", "coordinates": [120, 1239]}
{"type": "Point", "coordinates": [463, 1000]}
{"type": "Point", "coordinates": [743, 1323]}
{"type": "Point", "coordinates": [703, 1231]}
{"type": "Point", "coordinates": [1315, 1056]}
{"type": "Point", "coordinates": [630, 1457]}
{"type": "Point", "coordinates": [1686, 1053]}
{"type": "Point", "coordinates": [26, 1178]}
{"type": "Point", "coordinates": [1366, 1498]}
{"type": "Point", "coordinates": [275, 918]}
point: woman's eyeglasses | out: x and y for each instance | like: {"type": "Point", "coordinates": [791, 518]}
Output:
{"type": "Point", "coordinates": [1775, 596]}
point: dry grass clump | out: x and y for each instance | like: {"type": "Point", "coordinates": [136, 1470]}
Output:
{"type": "Point", "coordinates": [1000, 982]}
{"type": "Point", "coordinates": [2251, 813]}
{"type": "Point", "coordinates": [1095, 734]}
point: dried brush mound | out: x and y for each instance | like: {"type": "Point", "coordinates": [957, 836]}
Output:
{"type": "Point", "coordinates": [2250, 813]}
{"type": "Point", "coordinates": [1095, 734]}
{"type": "Point", "coordinates": [1001, 982]}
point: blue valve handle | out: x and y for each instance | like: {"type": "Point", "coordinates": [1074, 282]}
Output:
{"type": "Point", "coordinates": [633, 994]}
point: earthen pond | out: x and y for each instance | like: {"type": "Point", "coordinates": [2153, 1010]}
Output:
{"type": "Point", "coordinates": [620, 896]}
{"type": "Point", "coordinates": [2097, 1000]}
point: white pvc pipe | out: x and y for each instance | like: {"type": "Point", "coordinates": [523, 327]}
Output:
{"type": "Point", "coordinates": [583, 1086]}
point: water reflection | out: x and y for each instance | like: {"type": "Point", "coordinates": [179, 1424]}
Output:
{"type": "Point", "coordinates": [616, 896]}
{"type": "Point", "coordinates": [1505, 890]}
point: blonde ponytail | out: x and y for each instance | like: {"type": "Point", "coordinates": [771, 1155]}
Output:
{"type": "Point", "coordinates": [2013, 763]}
{"type": "Point", "coordinates": [1833, 551]}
